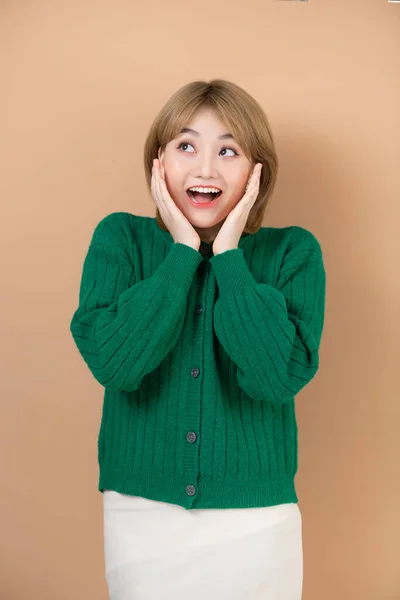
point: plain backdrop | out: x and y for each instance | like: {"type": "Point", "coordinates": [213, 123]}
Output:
{"type": "Point", "coordinates": [81, 83]}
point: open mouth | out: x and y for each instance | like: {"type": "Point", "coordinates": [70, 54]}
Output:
{"type": "Point", "coordinates": [203, 197]}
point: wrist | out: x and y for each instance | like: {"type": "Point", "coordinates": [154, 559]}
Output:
{"type": "Point", "coordinates": [194, 245]}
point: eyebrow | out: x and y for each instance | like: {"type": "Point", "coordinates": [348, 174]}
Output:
{"type": "Point", "coordinates": [224, 136]}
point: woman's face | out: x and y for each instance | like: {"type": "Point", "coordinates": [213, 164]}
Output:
{"type": "Point", "coordinates": [206, 156]}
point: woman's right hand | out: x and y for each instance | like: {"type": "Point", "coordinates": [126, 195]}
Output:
{"type": "Point", "coordinates": [177, 224]}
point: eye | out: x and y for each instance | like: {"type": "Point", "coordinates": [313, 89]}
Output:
{"type": "Point", "coordinates": [182, 144]}
{"type": "Point", "coordinates": [232, 150]}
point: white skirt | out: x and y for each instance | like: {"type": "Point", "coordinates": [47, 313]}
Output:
{"type": "Point", "coordinates": [160, 550]}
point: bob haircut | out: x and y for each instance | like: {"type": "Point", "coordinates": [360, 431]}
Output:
{"type": "Point", "coordinates": [244, 117]}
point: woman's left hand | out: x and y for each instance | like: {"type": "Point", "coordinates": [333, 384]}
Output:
{"type": "Point", "coordinates": [229, 235]}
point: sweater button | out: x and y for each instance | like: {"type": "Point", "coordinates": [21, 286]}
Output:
{"type": "Point", "coordinates": [190, 490]}
{"type": "Point", "coordinates": [191, 437]}
{"type": "Point", "coordinates": [205, 249]}
{"type": "Point", "coordinates": [199, 310]}
{"type": "Point", "coordinates": [195, 372]}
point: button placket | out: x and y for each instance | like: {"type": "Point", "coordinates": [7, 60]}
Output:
{"type": "Point", "coordinates": [191, 439]}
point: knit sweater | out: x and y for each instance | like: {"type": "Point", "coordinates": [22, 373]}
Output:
{"type": "Point", "coordinates": [201, 357]}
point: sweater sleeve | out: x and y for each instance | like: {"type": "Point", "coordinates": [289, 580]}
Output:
{"type": "Point", "coordinates": [272, 333]}
{"type": "Point", "coordinates": [124, 328]}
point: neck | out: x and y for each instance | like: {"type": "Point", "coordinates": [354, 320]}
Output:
{"type": "Point", "coordinates": [208, 234]}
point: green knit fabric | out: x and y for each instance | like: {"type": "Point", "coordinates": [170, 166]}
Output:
{"type": "Point", "coordinates": [201, 358]}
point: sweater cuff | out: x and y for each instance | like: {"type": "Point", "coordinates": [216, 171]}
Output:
{"type": "Point", "coordinates": [231, 271]}
{"type": "Point", "coordinates": [180, 265]}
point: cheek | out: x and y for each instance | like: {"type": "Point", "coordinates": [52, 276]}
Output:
{"type": "Point", "coordinates": [174, 179]}
{"type": "Point", "coordinates": [239, 178]}
{"type": "Point", "coordinates": [245, 175]}
{"type": "Point", "coordinates": [238, 187]}
{"type": "Point", "coordinates": [174, 172]}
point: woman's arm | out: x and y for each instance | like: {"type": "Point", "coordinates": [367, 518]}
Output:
{"type": "Point", "coordinates": [271, 333]}
{"type": "Point", "coordinates": [122, 328]}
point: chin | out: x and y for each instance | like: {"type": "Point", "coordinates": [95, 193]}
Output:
{"type": "Point", "coordinates": [202, 218]}
{"type": "Point", "coordinates": [204, 223]}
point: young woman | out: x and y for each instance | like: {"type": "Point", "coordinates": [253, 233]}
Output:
{"type": "Point", "coordinates": [202, 326]}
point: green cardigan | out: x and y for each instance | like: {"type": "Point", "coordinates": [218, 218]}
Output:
{"type": "Point", "coordinates": [201, 358]}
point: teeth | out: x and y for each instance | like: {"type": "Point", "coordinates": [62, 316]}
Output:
{"type": "Point", "coordinates": [204, 190]}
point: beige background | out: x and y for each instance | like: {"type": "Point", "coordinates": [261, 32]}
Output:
{"type": "Point", "coordinates": [81, 84]}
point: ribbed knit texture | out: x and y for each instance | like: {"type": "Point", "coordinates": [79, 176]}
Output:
{"type": "Point", "coordinates": [216, 346]}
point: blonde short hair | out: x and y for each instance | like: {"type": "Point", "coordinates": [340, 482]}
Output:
{"type": "Point", "coordinates": [237, 109]}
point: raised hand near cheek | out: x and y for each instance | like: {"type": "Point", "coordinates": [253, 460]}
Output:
{"type": "Point", "coordinates": [229, 235]}
{"type": "Point", "coordinates": [179, 227]}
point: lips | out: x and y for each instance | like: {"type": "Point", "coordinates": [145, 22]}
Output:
{"type": "Point", "coordinates": [203, 197]}
{"type": "Point", "coordinates": [204, 201]}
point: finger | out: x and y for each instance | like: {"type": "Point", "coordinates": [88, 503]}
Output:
{"type": "Point", "coordinates": [152, 176]}
{"type": "Point", "coordinates": [253, 177]}
{"type": "Point", "coordinates": [157, 183]}
{"type": "Point", "coordinates": [165, 199]}
{"type": "Point", "coordinates": [152, 182]}
{"type": "Point", "coordinates": [161, 169]}
{"type": "Point", "coordinates": [157, 177]}
{"type": "Point", "coordinates": [156, 187]}
{"type": "Point", "coordinates": [256, 172]}
{"type": "Point", "coordinates": [163, 188]}
{"type": "Point", "coordinates": [254, 180]}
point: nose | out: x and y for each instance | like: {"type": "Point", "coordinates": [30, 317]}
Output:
{"type": "Point", "coordinates": [206, 167]}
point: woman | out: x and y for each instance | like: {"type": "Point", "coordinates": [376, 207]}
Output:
{"type": "Point", "coordinates": [202, 326]}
